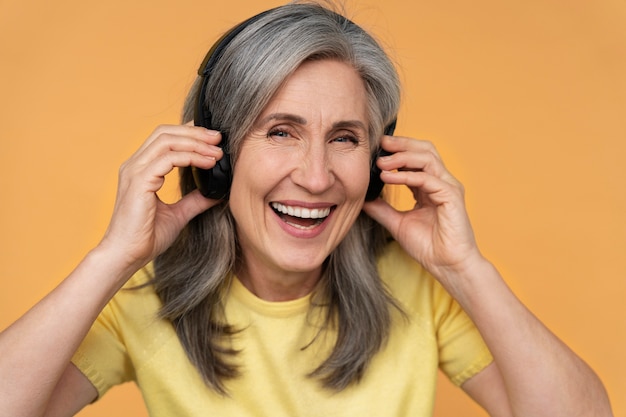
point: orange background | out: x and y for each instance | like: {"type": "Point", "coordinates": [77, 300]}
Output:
{"type": "Point", "coordinates": [526, 102]}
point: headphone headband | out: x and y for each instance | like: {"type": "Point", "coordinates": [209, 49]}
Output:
{"type": "Point", "coordinates": [215, 183]}
{"type": "Point", "coordinates": [208, 63]}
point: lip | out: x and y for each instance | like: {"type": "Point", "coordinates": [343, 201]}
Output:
{"type": "Point", "coordinates": [298, 232]}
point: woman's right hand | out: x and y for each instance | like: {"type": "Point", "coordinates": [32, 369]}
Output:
{"type": "Point", "coordinates": [37, 378]}
{"type": "Point", "coordinates": [143, 226]}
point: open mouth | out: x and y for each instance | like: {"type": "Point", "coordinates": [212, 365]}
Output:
{"type": "Point", "coordinates": [301, 217]}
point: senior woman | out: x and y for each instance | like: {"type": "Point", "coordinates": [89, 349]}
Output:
{"type": "Point", "coordinates": [292, 290]}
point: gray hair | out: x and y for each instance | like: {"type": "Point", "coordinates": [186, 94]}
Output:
{"type": "Point", "coordinates": [258, 60]}
{"type": "Point", "coordinates": [192, 276]}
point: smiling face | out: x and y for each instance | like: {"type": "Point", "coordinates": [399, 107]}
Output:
{"type": "Point", "coordinates": [300, 178]}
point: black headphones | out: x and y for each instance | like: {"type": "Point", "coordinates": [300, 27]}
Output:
{"type": "Point", "coordinates": [215, 183]}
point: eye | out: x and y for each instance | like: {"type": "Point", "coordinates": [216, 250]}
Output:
{"type": "Point", "coordinates": [278, 132]}
{"type": "Point", "coordinates": [283, 133]}
{"type": "Point", "coordinates": [347, 138]}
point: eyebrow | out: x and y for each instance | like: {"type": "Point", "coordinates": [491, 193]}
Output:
{"type": "Point", "coordinates": [288, 117]}
{"type": "Point", "coordinates": [343, 124]}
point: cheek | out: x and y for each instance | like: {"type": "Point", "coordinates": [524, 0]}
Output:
{"type": "Point", "coordinates": [247, 203]}
{"type": "Point", "coordinates": [254, 176]}
{"type": "Point", "coordinates": [242, 188]}
{"type": "Point", "coordinates": [355, 175]}
{"type": "Point", "coordinates": [256, 170]}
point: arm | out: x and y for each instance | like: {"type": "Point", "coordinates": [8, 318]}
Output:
{"type": "Point", "coordinates": [533, 370]}
{"type": "Point", "coordinates": [531, 360]}
{"type": "Point", "coordinates": [35, 351]}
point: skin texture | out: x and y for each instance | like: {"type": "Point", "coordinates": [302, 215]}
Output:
{"type": "Point", "coordinates": [311, 145]}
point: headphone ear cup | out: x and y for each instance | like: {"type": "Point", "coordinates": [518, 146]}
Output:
{"type": "Point", "coordinates": [214, 183]}
{"type": "Point", "coordinates": [376, 184]}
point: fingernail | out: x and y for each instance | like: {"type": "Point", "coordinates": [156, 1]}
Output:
{"type": "Point", "coordinates": [216, 148]}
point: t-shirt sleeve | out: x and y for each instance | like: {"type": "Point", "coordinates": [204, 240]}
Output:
{"type": "Point", "coordinates": [102, 356]}
{"type": "Point", "coordinates": [462, 351]}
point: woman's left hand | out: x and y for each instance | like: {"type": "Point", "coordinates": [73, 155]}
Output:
{"type": "Point", "coordinates": [437, 231]}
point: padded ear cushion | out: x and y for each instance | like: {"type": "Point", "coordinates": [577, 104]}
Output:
{"type": "Point", "coordinates": [214, 183]}
{"type": "Point", "coordinates": [376, 184]}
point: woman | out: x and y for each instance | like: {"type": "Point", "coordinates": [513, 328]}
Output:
{"type": "Point", "coordinates": [285, 296]}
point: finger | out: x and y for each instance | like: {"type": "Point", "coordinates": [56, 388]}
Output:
{"type": "Point", "coordinates": [413, 161]}
{"type": "Point", "coordinates": [382, 212]}
{"type": "Point", "coordinates": [411, 154]}
{"type": "Point", "coordinates": [191, 205]}
{"type": "Point", "coordinates": [166, 163]}
{"type": "Point", "coordinates": [426, 186]}
{"type": "Point", "coordinates": [168, 142]}
{"type": "Point", "coordinates": [395, 144]}
{"type": "Point", "coordinates": [197, 132]}
{"type": "Point", "coordinates": [150, 177]}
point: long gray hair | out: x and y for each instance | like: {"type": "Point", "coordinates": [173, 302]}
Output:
{"type": "Point", "coordinates": [193, 275]}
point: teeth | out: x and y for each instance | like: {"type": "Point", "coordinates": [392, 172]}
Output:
{"type": "Point", "coordinates": [302, 212]}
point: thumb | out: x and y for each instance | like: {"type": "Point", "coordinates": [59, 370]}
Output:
{"type": "Point", "coordinates": [383, 213]}
{"type": "Point", "coordinates": [191, 205]}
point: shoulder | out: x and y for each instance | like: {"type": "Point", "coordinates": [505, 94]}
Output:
{"type": "Point", "coordinates": [395, 262]}
{"type": "Point", "coordinates": [133, 315]}
{"type": "Point", "coordinates": [126, 335]}
{"type": "Point", "coordinates": [136, 303]}
{"type": "Point", "coordinates": [411, 284]}
{"type": "Point", "coordinates": [142, 277]}
{"type": "Point", "coordinates": [402, 274]}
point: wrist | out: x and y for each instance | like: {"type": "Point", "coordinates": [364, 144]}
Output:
{"type": "Point", "coordinates": [113, 262]}
{"type": "Point", "coordinates": [469, 281]}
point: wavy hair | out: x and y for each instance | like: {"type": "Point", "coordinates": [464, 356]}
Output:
{"type": "Point", "coordinates": [194, 274]}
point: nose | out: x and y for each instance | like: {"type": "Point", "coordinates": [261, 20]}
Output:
{"type": "Point", "coordinates": [312, 171]}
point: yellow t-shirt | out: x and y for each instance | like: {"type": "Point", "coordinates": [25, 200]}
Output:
{"type": "Point", "coordinates": [127, 343]}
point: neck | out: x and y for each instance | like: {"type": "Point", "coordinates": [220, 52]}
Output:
{"type": "Point", "coordinates": [277, 285]}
